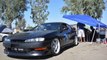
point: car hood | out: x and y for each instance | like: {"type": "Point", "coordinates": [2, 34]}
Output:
{"type": "Point", "coordinates": [31, 34]}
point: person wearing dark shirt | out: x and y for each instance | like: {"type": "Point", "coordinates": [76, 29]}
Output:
{"type": "Point", "coordinates": [93, 35]}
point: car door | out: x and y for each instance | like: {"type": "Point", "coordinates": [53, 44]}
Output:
{"type": "Point", "coordinates": [72, 34]}
{"type": "Point", "coordinates": [66, 33]}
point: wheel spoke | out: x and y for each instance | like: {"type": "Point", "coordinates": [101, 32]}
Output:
{"type": "Point", "coordinates": [76, 41]}
{"type": "Point", "coordinates": [56, 46]}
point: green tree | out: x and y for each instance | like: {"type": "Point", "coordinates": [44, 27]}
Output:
{"type": "Point", "coordinates": [12, 9]}
{"type": "Point", "coordinates": [39, 10]}
{"type": "Point", "coordinates": [21, 23]}
{"type": "Point", "coordinates": [0, 9]}
{"type": "Point", "coordinates": [92, 8]}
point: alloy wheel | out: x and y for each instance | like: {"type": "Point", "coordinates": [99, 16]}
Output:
{"type": "Point", "coordinates": [55, 46]}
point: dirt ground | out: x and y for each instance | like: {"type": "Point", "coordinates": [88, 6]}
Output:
{"type": "Point", "coordinates": [84, 51]}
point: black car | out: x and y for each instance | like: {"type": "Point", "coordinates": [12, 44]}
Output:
{"type": "Point", "coordinates": [45, 39]}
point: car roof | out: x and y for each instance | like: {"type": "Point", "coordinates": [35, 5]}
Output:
{"type": "Point", "coordinates": [56, 22]}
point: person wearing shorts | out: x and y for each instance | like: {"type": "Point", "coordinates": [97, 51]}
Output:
{"type": "Point", "coordinates": [81, 35]}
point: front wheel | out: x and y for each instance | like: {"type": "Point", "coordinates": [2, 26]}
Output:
{"type": "Point", "coordinates": [55, 46]}
{"type": "Point", "coordinates": [3, 38]}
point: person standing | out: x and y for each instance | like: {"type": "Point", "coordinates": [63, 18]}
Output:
{"type": "Point", "coordinates": [106, 34]}
{"type": "Point", "coordinates": [106, 37]}
{"type": "Point", "coordinates": [80, 32]}
{"type": "Point", "coordinates": [94, 35]}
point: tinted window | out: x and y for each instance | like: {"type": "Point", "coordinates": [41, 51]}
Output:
{"type": "Point", "coordinates": [64, 27]}
{"type": "Point", "coordinates": [48, 26]}
{"type": "Point", "coordinates": [102, 32]}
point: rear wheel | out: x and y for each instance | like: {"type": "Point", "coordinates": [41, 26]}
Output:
{"type": "Point", "coordinates": [55, 46]}
{"type": "Point", "coordinates": [76, 42]}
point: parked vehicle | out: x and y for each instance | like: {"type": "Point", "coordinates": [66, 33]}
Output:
{"type": "Point", "coordinates": [4, 32]}
{"type": "Point", "coordinates": [3, 36]}
{"type": "Point", "coordinates": [45, 39]}
{"type": "Point", "coordinates": [102, 33]}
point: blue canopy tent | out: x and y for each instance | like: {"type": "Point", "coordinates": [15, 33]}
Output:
{"type": "Point", "coordinates": [85, 19]}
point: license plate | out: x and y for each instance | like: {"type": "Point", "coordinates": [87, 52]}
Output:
{"type": "Point", "coordinates": [18, 49]}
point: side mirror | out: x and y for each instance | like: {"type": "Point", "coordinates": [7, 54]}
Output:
{"type": "Point", "coordinates": [65, 29]}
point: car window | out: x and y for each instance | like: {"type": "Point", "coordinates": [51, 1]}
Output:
{"type": "Point", "coordinates": [48, 26]}
{"type": "Point", "coordinates": [64, 27]}
{"type": "Point", "coordinates": [70, 27]}
{"type": "Point", "coordinates": [102, 32]}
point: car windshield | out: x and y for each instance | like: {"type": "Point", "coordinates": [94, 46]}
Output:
{"type": "Point", "coordinates": [48, 26]}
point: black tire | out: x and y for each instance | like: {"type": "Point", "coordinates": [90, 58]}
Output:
{"type": "Point", "coordinates": [76, 42]}
{"type": "Point", "coordinates": [55, 46]}
{"type": "Point", "coordinates": [3, 38]}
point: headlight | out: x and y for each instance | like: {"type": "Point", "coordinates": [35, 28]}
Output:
{"type": "Point", "coordinates": [6, 40]}
{"type": "Point", "coordinates": [35, 40]}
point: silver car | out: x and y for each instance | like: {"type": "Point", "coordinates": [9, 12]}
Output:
{"type": "Point", "coordinates": [4, 33]}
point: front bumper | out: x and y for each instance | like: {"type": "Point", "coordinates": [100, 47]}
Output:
{"type": "Point", "coordinates": [26, 49]}
{"type": "Point", "coordinates": [26, 54]}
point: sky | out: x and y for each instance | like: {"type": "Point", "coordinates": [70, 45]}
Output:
{"type": "Point", "coordinates": [54, 7]}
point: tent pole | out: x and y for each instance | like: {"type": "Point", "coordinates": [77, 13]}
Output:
{"type": "Point", "coordinates": [93, 36]}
